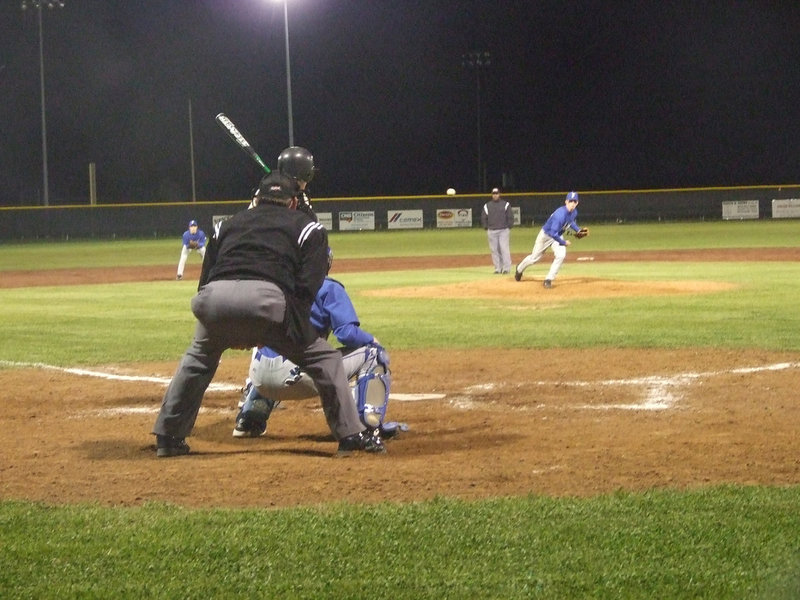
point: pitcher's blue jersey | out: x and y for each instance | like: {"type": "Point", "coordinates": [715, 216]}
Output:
{"type": "Point", "coordinates": [558, 222]}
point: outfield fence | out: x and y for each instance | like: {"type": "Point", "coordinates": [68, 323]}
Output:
{"type": "Point", "coordinates": [404, 212]}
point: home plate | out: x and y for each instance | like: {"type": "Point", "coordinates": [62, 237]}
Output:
{"type": "Point", "coordinates": [415, 397]}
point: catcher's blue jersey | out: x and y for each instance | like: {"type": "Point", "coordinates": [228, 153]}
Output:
{"type": "Point", "coordinates": [333, 311]}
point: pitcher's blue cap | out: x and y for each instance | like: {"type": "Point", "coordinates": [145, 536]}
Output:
{"type": "Point", "coordinates": [573, 196]}
{"type": "Point", "coordinates": [192, 223]}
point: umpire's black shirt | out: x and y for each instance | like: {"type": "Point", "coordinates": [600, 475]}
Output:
{"type": "Point", "coordinates": [273, 243]}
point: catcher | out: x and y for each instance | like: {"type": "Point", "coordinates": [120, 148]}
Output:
{"type": "Point", "coordinates": [274, 378]}
{"type": "Point", "coordinates": [193, 239]}
{"type": "Point", "coordinates": [561, 222]}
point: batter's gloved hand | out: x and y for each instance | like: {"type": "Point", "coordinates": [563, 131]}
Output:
{"type": "Point", "coordinates": [582, 233]}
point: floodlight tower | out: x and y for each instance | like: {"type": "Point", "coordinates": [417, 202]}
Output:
{"type": "Point", "coordinates": [288, 69]}
{"type": "Point", "coordinates": [38, 5]}
{"type": "Point", "coordinates": [478, 61]}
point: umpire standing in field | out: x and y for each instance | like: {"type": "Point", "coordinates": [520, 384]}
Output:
{"type": "Point", "coordinates": [261, 273]}
{"type": "Point", "coordinates": [497, 219]}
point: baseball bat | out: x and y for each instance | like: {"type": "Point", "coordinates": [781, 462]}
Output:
{"type": "Point", "coordinates": [240, 140]}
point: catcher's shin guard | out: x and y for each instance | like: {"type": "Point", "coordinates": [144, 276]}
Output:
{"type": "Point", "coordinates": [372, 395]}
{"type": "Point", "coordinates": [252, 418]}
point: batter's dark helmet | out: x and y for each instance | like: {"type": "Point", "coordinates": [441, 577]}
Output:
{"type": "Point", "coordinates": [296, 162]}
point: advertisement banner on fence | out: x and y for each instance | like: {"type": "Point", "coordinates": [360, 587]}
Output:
{"type": "Point", "coordinates": [454, 217]}
{"type": "Point", "coordinates": [216, 220]}
{"type": "Point", "coordinates": [517, 212]}
{"type": "Point", "coordinates": [355, 220]}
{"type": "Point", "coordinates": [788, 208]}
{"type": "Point", "coordinates": [740, 209]}
{"type": "Point", "coordinates": [404, 219]}
{"type": "Point", "coordinates": [326, 219]}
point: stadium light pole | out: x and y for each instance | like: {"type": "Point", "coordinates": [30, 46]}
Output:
{"type": "Point", "coordinates": [478, 61]}
{"type": "Point", "coordinates": [288, 69]}
{"type": "Point", "coordinates": [38, 5]}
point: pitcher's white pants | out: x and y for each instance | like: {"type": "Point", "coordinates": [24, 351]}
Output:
{"type": "Point", "coordinates": [542, 243]}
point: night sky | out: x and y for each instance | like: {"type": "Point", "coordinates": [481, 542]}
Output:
{"type": "Point", "coordinates": [579, 95]}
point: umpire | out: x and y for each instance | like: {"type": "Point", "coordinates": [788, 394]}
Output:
{"type": "Point", "coordinates": [262, 269]}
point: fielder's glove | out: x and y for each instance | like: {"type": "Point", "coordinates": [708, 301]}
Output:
{"type": "Point", "coordinates": [193, 245]}
{"type": "Point", "coordinates": [582, 233]}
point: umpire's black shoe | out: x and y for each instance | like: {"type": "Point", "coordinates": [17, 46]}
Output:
{"type": "Point", "coordinates": [170, 446]}
{"type": "Point", "coordinates": [517, 275]}
{"type": "Point", "coordinates": [367, 441]}
{"type": "Point", "coordinates": [548, 284]}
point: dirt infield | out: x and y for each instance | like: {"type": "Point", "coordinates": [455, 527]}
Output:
{"type": "Point", "coordinates": [510, 422]}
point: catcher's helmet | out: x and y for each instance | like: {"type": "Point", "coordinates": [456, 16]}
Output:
{"type": "Point", "coordinates": [296, 162]}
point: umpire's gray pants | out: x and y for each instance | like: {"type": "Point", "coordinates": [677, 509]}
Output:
{"type": "Point", "coordinates": [500, 247]}
{"type": "Point", "coordinates": [243, 314]}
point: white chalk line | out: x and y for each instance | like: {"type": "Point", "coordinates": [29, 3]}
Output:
{"type": "Point", "coordinates": [660, 392]}
{"type": "Point", "coordinates": [164, 381]}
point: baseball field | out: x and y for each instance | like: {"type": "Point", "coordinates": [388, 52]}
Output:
{"type": "Point", "coordinates": [630, 433]}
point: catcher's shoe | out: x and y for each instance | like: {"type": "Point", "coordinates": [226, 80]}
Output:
{"type": "Point", "coordinates": [368, 440]}
{"type": "Point", "coordinates": [391, 429]}
{"type": "Point", "coordinates": [166, 446]}
{"type": "Point", "coordinates": [248, 426]}
{"type": "Point", "coordinates": [548, 284]}
{"type": "Point", "coordinates": [252, 418]}
{"type": "Point", "coordinates": [517, 275]}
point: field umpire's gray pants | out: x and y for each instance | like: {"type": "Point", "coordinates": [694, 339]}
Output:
{"type": "Point", "coordinates": [243, 314]}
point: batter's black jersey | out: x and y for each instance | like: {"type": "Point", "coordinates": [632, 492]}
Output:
{"type": "Point", "coordinates": [271, 243]}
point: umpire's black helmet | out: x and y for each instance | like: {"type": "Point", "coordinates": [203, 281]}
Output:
{"type": "Point", "coordinates": [296, 162]}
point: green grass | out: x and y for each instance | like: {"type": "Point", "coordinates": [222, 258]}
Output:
{"type": "Point", "coordinates": [726, 542]}
{"type": "Point", "coordinates": [151, 321]}
{"type": "Point", "coordinates": [719, 542]}
{"type": "Point", "coordinates": [429, 242]}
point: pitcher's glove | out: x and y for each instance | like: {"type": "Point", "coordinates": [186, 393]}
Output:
{"type": "Point", "coordinates": [193, 245]}
{"type": "Point", "coordinates": [582, 233]}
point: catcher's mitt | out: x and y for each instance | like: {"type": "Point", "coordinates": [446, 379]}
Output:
{"type": "Point", "coordinates": [193, 245]}
{"type": "Point", "coordinates": [582, 233]}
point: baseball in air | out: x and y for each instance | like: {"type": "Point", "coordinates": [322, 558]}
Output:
{"type": "Point", "coordinates": [451, 192]}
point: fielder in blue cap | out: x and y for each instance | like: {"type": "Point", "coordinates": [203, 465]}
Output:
{"type": "Point", "coordinates": [193, 239]}
{"type": "Point", "coordinates": [551, 235]}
